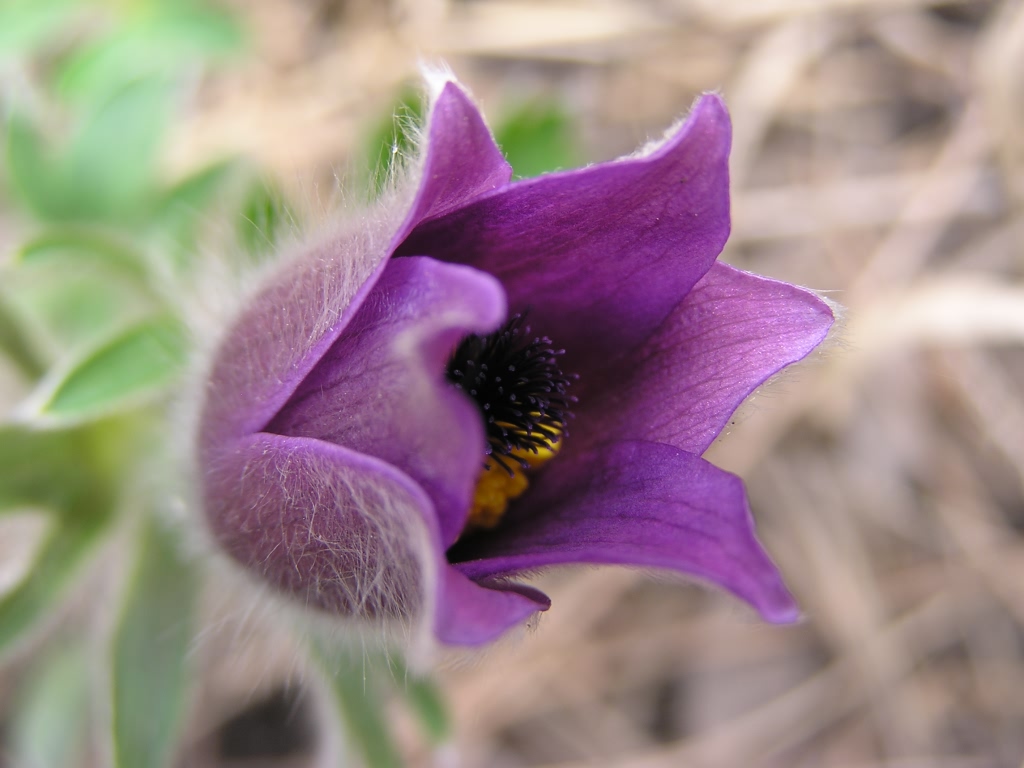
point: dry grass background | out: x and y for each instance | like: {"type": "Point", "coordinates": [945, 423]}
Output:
{"type": "Point", "coordinates": [879, 157]}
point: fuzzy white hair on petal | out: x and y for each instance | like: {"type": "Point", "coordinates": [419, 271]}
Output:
{"type": "Point", "coordinates": [654, 145]}
{"type": "Point", "coordinates": [436, 75]}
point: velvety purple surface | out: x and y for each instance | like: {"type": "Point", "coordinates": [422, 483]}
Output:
{"type": "Point", "coordinates": [601, 255]}
{"type": "Point", "coordinates": [727, 336]}
{"type": "Point", "coordinates": [340, 462]}
{"type": "Point", "coordinates": [295, 510]}
{"type": "Point", "coordinates": [381, 389]}
{"type": "Point", "coordinates": [635, 503]}
{"type": "Point", "coordinates": [462, 162]}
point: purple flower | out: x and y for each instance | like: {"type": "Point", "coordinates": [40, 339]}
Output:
{"type": "Point", "coordinates": [391, 428]}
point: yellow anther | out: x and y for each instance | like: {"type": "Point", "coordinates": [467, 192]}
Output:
{"type": "Point", "coordinates": [496, 487]}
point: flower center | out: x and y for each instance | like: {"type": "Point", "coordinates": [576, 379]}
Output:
{"type": "Point", "coordinates": [516, 381]}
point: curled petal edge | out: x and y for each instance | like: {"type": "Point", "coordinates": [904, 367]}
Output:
{"type": "Point", "coordinates": [382, 390]}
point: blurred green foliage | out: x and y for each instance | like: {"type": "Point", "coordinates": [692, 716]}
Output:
{"type": "Point", "coordinates": [354, 686]}
{"type": "Point", "coordinates": [103, 171]}
{"type": "Point", "coordinates": [538, 137]}
{"type": "Point", "coordinates": [392, 140]}
{"type": "Point", "coordinates": [90, 321]}
{"type": "Point", "coordinates": [138, 361]}
{"type": "Point", "coordinates": [26, 25]}
{"type": "Point", "coordinates": [150, 666]}
{"type": "Point", "coordinates": [69, 475]}
{"type": "Point", "coordinates": [267, 218]}
{"type": "Point", "coordinates": [50, 727]}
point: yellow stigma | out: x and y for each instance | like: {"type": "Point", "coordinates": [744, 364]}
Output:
{"type": "Point", "coordinates": [498, 486]}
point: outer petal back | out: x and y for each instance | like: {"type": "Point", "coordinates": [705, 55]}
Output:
{"type": "Point", "coordinates": [381, 388]}
{"type": "Point", "coordinates": [349, 534]}
{"type": "Point", "coordinates": [340, 530]}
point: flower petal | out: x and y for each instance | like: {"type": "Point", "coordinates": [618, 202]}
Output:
{"type": "Point", "coordinates": [381, 388]}
{"type": "Point", "coordinates": [733, 331]}
{"type": "Point", "coordinates": [634, 503]}
{"type": "Point", "coordinates": [284, 330]}
{"type": "Point", "coordinates": [601, 255]}
{"type": "Point", "coordinates": [349, 534]}
{"type": "Point", "coordinates": [340, 530]}
{"type": "Point", "coordinates": [462, 161]}
{"type": "Point", "coordinates": [472, 614]}
{"type": "Point", "coordinates": [287, 327]}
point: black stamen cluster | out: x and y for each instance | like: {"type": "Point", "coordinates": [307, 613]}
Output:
{"type": "Point", "coordinates": [518, 385]}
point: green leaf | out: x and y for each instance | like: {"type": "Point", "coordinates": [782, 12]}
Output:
{"type": "Point", "coordinates": [46, 470]}
{"type": "Point", "coordinates": [425, 699]}
{"type": "Point", "coordinates": [190, 196]}
{"type": "Point", "coordinates": [128, 369]}
{"type": "Point", "coordinates": [266, 216]}
{"type": "Point", "coordinates": [394, 138]}
{"type": "Point", "coordinates": [196, 28]}
{"type": "Point", "coordinates": [110, 167]}
{"type": "Point", "coordinates": [69, 474]}
{"type": "Point", "coordinates": [183, 209]}
{"type": "Point", "coordinates": [161, 41]}
{"type": "Point", "coordinates": [536, 138]}
{"type": "Point", "coordinates": [69, 301]}
{"type": "Point", "coordinates": [50, 724]}
{"type": "Point", "coordinates": [353, 685]}
{"type": "Point", "coordinates": [16, 345]}
{"type": "Point", "coordinates": [26, 24]}
{"type": "Point", "coordinates": [32, 170]}
{"type": "Point", "coordinates": [150, 670]}
{"type": "Point", "coordinates": [60, 557]}
{"type": "Point", "coordinates": [78, 247]}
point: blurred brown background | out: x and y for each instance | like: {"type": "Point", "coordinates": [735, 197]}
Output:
{"type": "Point", "coordinates": [879, 158]}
